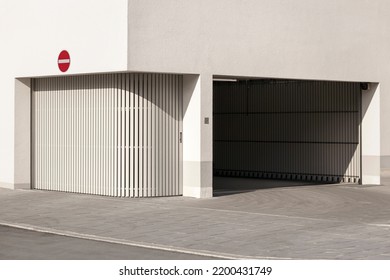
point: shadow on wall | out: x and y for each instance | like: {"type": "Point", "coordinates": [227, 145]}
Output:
{"type": "Point", "coordinates": [146, 91]}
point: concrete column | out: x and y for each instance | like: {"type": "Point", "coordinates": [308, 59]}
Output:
{"type": "Point", "coordinates": [371, 135]}
{"type": "Point", "coordinates": [197, 136]}
{"type": "Point", "coordinates": [22, 154]}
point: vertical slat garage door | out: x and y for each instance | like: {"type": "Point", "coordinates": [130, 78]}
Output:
{"type": "Point", "coordinates": [109, 134]}
{"type": "Point", "coordinates": [304, 130]}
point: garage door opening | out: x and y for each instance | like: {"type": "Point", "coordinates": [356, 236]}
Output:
{"type": "Point", "coordinates": [290, 130]}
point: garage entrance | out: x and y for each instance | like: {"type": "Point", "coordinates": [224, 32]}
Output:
{"type": "Point", "coordinates": [287, 129]}
{"type": "Point", "coordinates": [109, 134]}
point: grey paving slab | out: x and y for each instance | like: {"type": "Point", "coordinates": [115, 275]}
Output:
{"type": "Point", "coordinates": [298, 222]}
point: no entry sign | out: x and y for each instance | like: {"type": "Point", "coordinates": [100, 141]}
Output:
{"type": "Point", "coordinates": [63, 61]}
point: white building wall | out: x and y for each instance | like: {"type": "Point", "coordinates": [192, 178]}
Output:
{"type": "Point", "coordinates": [329, 40]}
{"type": "Point", "coordinates": [32, 34]}
{"type": "Point", "coordinates": [343, 40]}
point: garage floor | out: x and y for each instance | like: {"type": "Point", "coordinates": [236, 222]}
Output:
{"type": "Point", "coordinates": [296, 222]}
{"type": "Point", "coordinates": [233, 185]}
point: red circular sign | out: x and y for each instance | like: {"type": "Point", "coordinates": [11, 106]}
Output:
{"type": "Point", "coordinates": [63, 61]}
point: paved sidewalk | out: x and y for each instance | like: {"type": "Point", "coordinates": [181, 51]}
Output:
{"type": "Point", "coordinates": [20, 244]}
{"type": "Point", "coordinates": [295, 222]}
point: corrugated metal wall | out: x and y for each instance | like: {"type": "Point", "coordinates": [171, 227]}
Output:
{"type": "Point", "coordinates": [304, 130]}
{"type": "Point", "coordinates": [111, 134]}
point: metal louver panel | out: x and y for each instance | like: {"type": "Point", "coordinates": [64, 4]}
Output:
{"type": "Point", "coordinates": [108, 134]}
{"type": "Point", "coordinates": [304, 130]}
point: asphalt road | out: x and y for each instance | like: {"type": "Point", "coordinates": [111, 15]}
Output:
{"type": "Point", "coordinates": [19, 244]}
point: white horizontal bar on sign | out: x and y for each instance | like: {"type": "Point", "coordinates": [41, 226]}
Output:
{"type": "Point", "coordinates": [64, 61]}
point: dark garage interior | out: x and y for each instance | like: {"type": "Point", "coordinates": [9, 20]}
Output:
{"type": "Point", "coordinates": [296, 131]}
